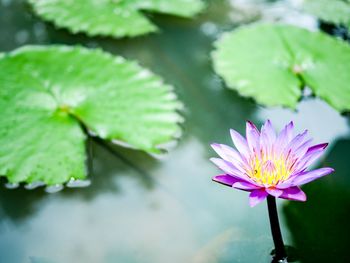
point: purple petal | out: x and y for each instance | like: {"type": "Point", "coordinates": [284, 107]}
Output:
{"type": "Point", "coordinates": [229, 154]}
{"type": "Point", "coordinates": [284, 185]}
{"type": "Point", "coordinates": [302, 149]}
{"type": "Point", "coordinates": [267, 138]}
{"type": "Point", "coordinates": [225, 179]}
{"type": "Point", "coordinates": [307, 177]}
{"type": "Point", "coordinates": [298, 140]}
{"type": "Point", "coordinates": [240, 143]}
{"type": "Point", "coordinates": [284, 137]}
{"type": "Point", "coordinates": [310, 156]}
{"type": "Point", "coordinates": [269, 131]}
{"type": "Point", "coordinates": [242, 185]}
{"type": "Point", "coordinates": [253, 136]}
{"type": "Point", "coordinates": [318, 146]}
{"type": "Point", "coordinates": [293, 193]}
{"type": "Point", "coordinates": [257, 196]}
{"type": "Point", "coordinates": [274, 192]}
{"type": "Point", "coordinates": [229, 168]}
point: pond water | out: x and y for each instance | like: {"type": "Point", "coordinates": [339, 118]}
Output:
{"type": "Point", "coordinates": [141, 210]}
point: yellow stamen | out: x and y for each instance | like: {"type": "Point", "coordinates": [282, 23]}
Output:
{"type": "Point", "coordinates": [269, 170]}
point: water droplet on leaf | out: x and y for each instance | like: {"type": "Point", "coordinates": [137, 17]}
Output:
{"type": "Point", "coordinates": [11, 185]}
{"type": "Point", "coordinates": [78, 183]}
{"type": "Point", "coordinates": [33, 185]}
{"type": "Point", "coordinates": [53, 188]}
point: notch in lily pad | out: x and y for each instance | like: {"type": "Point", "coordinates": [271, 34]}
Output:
{"type": "Point", "coordinates": [273, 63]}
{"type": "Point", "coordinates": [53, 98]}
{"type": "Point", "coordinates": [115, 18]}
{"type": "Point", "coordinates": [336, 12]}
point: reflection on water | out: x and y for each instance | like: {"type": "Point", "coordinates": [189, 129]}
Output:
{"type": "Point", "coordinates": [181, 215]}
{"type": "Point", "coordinates": [286, 11]}
{"type": "Point", "coordinates": [138, 209]}
{"type": "Point", "coordinates": [233, 246]}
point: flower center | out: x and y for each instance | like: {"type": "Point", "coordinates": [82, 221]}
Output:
{"type": "Point", "coordinates": [269, 172]}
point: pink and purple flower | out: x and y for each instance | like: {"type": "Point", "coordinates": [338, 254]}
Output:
{"type": "Point", "coordinates": [266, 163]}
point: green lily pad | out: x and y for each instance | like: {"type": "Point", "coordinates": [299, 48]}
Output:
{"type": "Point", "coordinates": [49, 97]}
{"type": "Point", "coordinates": [117, 18]}
{"type": "Point", "coordinates": [273, 63]}
{"type": "Point", "coordinates": [333, 11]}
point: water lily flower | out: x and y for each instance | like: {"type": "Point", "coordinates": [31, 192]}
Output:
{"type": "Point", "coordinates": [266, 163]}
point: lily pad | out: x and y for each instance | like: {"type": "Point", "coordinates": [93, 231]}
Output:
{"type": "Point", "coordinates": [272, 63]}
{"type": "Point", "coordinates": [117, 18]}
{"type": "Point", "coordinates": [50, 97]}
{"type": "Point", "coordinates": [333, 11]}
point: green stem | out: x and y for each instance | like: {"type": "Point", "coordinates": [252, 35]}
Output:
{"type": "Point", "coordinates": [280, 252]}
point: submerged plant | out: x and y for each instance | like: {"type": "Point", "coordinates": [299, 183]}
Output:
{"type": "Point", "coordinates": [269, 165]}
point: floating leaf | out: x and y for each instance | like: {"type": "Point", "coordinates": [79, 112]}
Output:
{"type": "Point", "coordinates": [333, 11]}
{"type": "Point", "coordinates": [50, 95]}
{"type": "Point", "coordinates": [117, 18]}
{"type": "Point", "coordinates": [272, 63]}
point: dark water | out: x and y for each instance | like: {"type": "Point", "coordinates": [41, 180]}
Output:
{"type": "Point", "coordinates": [141, 210]}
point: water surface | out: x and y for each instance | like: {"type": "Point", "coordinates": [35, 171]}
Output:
{"type": "Point", "coordinates": [141, 210]}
